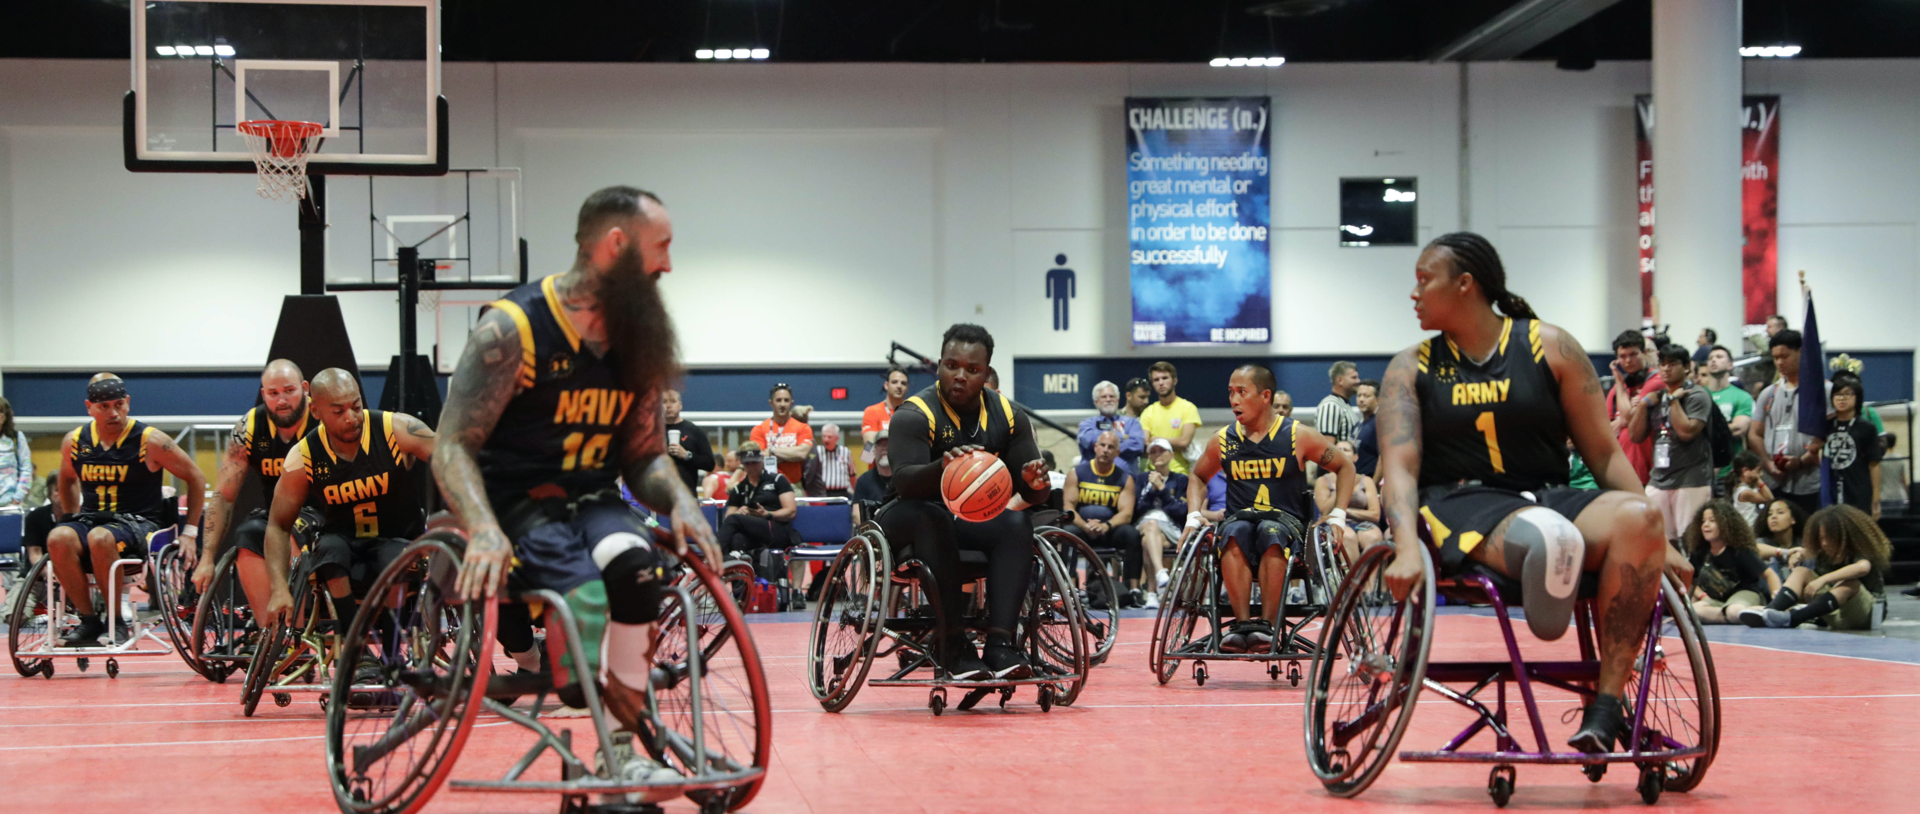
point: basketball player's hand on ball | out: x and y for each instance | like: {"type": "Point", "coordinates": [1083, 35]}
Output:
{"type": "Point", "coordinates": [1035, 474]}
{"type": "Point", "coordinates": [1406, 571]}
{"type": "Point", "coordinates": [959, 452]}
{"type": "Point", "coordinates": [486, 563]}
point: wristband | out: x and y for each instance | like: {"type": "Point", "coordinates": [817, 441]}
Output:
{"type": "Point", "coordinates": [1195, 520]}
{"type": "Point", "coordinates": [1338, 517]}
{"type": "Point", "coordinates": [190, 533]}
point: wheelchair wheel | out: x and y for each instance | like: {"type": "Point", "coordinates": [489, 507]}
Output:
{"type": "Point", "coordinates": [175, 598]}
{"type": "Point", "coordinates": [1103, 626]}
{"type": "Point", "coordinates": [217, 642]}
{"type": "Point", "coordinates": [1367, 674]}
{"type": "Point", "coordinates": [1329, 562]}
{"type": "Point", "coordinates": [735, 727]}
{"type": "Point", "coordinates": [1054, 630]}
{"type": "Point", "coordinates": [846, 621]}
{"type": "Point", "coordinates": [280, 650]}
{"type": "Point", "coordinates": [28, 622]}
{"type": "Point", "coordinates": [389, 754]}
{"type": "Point", "coordinates": [1188, 602]}
{"type": "Point", "coordinates": [1682, 694]}
{"type": "Point", "coordinates": [738, 576]}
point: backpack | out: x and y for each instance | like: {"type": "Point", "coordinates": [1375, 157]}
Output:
{"type": "Point", "coordinates": [1719, 438]}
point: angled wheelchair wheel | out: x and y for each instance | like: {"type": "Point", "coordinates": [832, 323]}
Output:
{"type": "Point", "coordinates": [1329, 563]}
{"type": "Point", "coordinates": [29, 625]}
{"type": "Point", "coordinates": [734, 729]}
{"type": "Point", "coordinates": [176, 600]}
{"type": "Point", "coordinates": [390, 748]}
{"type": "Point", "coordinates": [846, 621]}
{"type": "Point", "coordinates": [1103, 626]}
{"type": "Point", "coordinates": [1187, 605]}
{"type": "Point", "coordinates": [1053, 630]}
{"type": "Point", "coordinates": [1367, 674]}
{"type": "Point", "coordinates": [1682, 693]}
{"type": "Point", "coordinates": [281, 651]}
{"type": "Point", "coordinates": [738, 576]}
{"type": "Point", "coordinates": [217, 641]}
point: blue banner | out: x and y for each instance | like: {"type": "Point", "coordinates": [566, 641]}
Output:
{"type": "Point", "coordinates": [1198, 214]}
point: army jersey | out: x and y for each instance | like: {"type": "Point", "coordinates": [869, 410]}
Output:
{"type": "Point", "coordinates": [991, 428]}
{"type": "Point", "coordinates": [115, 477]}
{"type": "Point", "coordinates": [373, 494]}
{"type": "Point", "coordinates": [1264, 475]}
{"type": "Point", "coordinates": [266, 452]}
{"type": "Point", "coordinates": [1497, 422]}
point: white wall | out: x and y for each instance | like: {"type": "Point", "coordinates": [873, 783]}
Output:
{"type": "Point", "coordinates": [904, 197]}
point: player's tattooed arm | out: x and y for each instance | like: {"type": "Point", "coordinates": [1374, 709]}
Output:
{"type": "Point", "coordinates": [413, 436]}
{"type": "Point", "coordinates": [1400, 453]}
{"type": "Point", "coordinates": [482, 384]}
{"type": "Point", "coordinates": [226, 487]}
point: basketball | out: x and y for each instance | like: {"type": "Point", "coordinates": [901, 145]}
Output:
{"type": "Point", "coordinates": [976, 487]}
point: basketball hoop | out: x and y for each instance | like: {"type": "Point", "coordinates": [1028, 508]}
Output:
{"type": "Point", "coordinates": [280, 151]}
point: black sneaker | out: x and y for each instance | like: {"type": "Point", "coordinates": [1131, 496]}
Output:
{"type": "Point", "coordinates": [1136, 599]}
{"type": "Point", "coordinates": [1236, 639]}
{"type": "Point", "coordinates": [85, 634]}
{"type": "Point", "coordinates": [1007, 662]}
{"type": "Point", "coordinates": [366, 673]}
{"type": "Point", "coordinates": [964, 663]}
{"type": "Point", "coordinates": [121, 631]}
{"type": "Point", "coordinates": [1259, 636]}
{"type": "Point", "coordinates": [1600, 725]}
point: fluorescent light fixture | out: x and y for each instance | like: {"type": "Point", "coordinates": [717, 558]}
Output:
{"type": "Point", "coordinates": [1218, 62]}
{"type": "Point", "coordinates": [761, 53]}
{"type": "Point", "coordinates": [743, 53]}
{"type": "Point", "coordinates": [223, 50]}
{"type": "Point", "coordinates": [163, 50]}
{"type": "Point", "coordinates": [1396, 196]}
{"type": "Point", "coordinates": [704, 53]}
{"type": "Point", "coordinates": [183, 50]}
{"type": "Point", "coordinates": [1770, 51]}
{"type": "Point", "coordinates": [723, 53]}
{"type": "Point", "coordinates": [203, 50]}
{"type": "Point", "coordinates": [1238, 62]}
{"type": "Point", "coordinates": [1386, 180]}
{"type": "Point", "coordinates": [1247, 62]}
{"type": "Point", "coordinates": [1361, 231]}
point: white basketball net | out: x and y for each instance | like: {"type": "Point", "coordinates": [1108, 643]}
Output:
{"type": "Point", "coordinates": [280, 151]}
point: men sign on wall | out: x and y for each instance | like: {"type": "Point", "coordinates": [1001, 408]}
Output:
{"type": "Point", "coordinates": [1198, 213]}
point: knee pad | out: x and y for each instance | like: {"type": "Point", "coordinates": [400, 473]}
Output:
{"type": "Point", "coordinates": [631, 570]}
{"type": "Point", "coordinates": [1545, 550]}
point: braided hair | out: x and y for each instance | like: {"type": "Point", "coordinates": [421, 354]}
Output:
{"type": "Point", "coordinates": [1472, 254]}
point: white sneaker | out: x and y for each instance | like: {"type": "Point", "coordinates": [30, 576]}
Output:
{"type": "Point", "coordinates": [1160, 579]}
{"type": "Point", "coordinates": [1153, 601]}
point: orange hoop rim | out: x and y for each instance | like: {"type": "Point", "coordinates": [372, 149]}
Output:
{"type": "Point", "coordinates": [276, 128]}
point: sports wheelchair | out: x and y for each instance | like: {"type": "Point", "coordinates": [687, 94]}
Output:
{"type": "Point", "coordinates": [1189, 626]}
{"type": "Point", "coordinates": [1091, 569]}
{"type": "Point", "coordinates": [40, 615]}
{"type": "Point", "coordinates": [873, 607]}
{"type": "Point", "coordinates": [707, 713]}
{"type": "Point", "coordinates": [1372, 665]}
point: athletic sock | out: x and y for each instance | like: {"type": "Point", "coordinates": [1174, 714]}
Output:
{"type": "Point", "coordinates": [528, 661]}
{"type": "Point", "coordinates": [1784, 600]}
{"type": "Point", "coordinates": [1821, 605]}
{"type": "Point", "coordinates": [347, 608]}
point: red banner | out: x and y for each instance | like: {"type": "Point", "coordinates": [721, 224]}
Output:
{"type": "Point", "coordinates": [1759, 202]}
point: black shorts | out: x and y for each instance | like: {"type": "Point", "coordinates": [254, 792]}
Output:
{"type": "Point", "coordinates": [251, 534]}
{"type": "Point", "coordinates": [130, 533]}
{"type": "Point", "coordinates": [1454, 519]}
{"type": "Point", "coordinates": [360, 559]}
{"type": "Point", "coordinates": [558, 555]}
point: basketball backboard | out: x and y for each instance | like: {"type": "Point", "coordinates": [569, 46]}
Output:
{"type": "Point", "coordinates": [368, 71]}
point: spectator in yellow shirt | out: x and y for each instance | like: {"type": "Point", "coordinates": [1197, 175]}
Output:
{"type": "Point", "coordinates": [1172, 417]}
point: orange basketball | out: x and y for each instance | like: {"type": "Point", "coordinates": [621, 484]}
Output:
{"type": "Point", "coordinates": [976, 487]}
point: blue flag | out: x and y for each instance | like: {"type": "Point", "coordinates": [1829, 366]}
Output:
{"type": "Point", "coordinates": [1812, 407]}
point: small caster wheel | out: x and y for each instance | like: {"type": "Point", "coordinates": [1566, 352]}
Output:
{"type": "Point", "coordinates": [323, 703]}
{"type": "Point", "coordinates": [1199, 674]}
{"type": "Point", "coordinates": [1046, 697]}
{"type": "Point", "coordinates": [937, 701]}
{"type": "Point", "coordinates": [113, 668]}
{"type": "Point", "coordinates": [281, 699]}
{"type": "Point", "coordinates": [1594, 771]}
{"type": "Point", "coordinates": [1006, 694]}
{"type": "Point", "coordinates": [1500, 784]}
{"type": "Point", "coordinates": [714, 804]}
{"type": "Point", "coordinates": [1293, 674]}
{"type": "Point", "coordinates": [46, 668]}
{"type": "Point", "coordinates": [1273, 672]}
{"type": "Point", "coordinates": [1653, 780]}
{"type": "Point", "coordinates": [83, 663]}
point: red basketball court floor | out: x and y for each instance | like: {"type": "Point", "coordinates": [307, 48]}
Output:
{"type": "Point", "coordinates": [1804, 731]}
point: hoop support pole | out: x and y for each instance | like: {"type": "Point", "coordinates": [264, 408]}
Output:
{"type": "Point", "coordinates": [313, 237]}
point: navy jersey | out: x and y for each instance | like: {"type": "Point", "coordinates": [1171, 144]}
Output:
{"type": "Point", "coordinates": [266, 452]}
{"type": "Point", "coordinates": [1499, 422]}
{"type": "Point", "coordinates": [559, 429]}
{"type": "Point", "coordinates": [115, 477]}
{"type": "Point", "coordinates": [1265, 474]}
{"type": "Point", "coordinates": [1099, 495]}
{"type": "Point", "coordinates": [991, 428]}
{"type": "Point", "coordinates": [371, 495]}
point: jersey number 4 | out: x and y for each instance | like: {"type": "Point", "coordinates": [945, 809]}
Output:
{"type": "Point", "coordinates": [1485, 425]}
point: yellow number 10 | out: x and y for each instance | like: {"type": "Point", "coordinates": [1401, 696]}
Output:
{"type": "Point", "coordinates": [583, 452]}
{"type": "Point", "coordinates": [1485, 425]}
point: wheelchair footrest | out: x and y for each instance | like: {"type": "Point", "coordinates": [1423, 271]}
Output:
{"type": "Point", "coordinates": [1552, 757]}
{"type": "Point", "coordinates": [989, 684]}
{"type": "Point", "coordinates": [1473, 671]}
{"type": "Point", "coordinates": [596, 785]}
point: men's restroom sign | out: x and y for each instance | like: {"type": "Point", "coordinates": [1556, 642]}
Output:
{"type": "Point", "coordinates": [1060, 289]}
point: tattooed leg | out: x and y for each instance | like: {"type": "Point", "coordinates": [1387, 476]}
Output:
{"type": "Point", "coordinates": [1626, 544]}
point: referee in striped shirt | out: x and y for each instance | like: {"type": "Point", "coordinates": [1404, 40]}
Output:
{"type": "Point", "coordinates": [829, 470]}
{"type": "Point", "coordinates": [1335, 418]}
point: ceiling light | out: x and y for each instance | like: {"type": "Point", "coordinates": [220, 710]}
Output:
{"type": "Point", "coordinates": [723, 53]}
{"type": "Point", "coordinates": [1396, 196]}
{"type": "Point", "coordinates": [1386, 180]}
{"type": "Point", "coordinates": [1238, 62]}
{"type": "Point", "coordinates": [163, 50]}
{"type": "Point", "coordinates": [1361, 231]}
{"type": "Point", "coordinates": [1247, 62]}
{"type": "Point", "coordinates": [704, 53]}
{"type": "Point", "coordinates": [223, 50]}
{"type": "Point", "coordinates": [743, 53]}
{"type": "Point", "coordinates": [183, 50]}
{"type": "Point", "coordinates": [203, 50]}
{"type": "Point", "coordinates": [761, 53]}
{"type": "Point", "coordinates": [1218, 62]}
{"type": "Point", "coordinates": [1770, 51]}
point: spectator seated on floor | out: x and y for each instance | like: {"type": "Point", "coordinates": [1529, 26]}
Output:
{"type": "Point", "coordinates": [1786, 522]}
{"type": "Point", "coordinates": [1838, 575]}
{"type": "Point", "coordinates": [1746, 489]}
{"type": "Point", "coordinates": [1728, 576]}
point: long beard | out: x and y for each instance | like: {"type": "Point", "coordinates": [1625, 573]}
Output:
{"type": "Point", "coordinates": [639, 332]}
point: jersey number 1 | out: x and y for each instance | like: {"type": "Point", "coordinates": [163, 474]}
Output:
{"type": "Point", "coordinates": [1485, 425]}
{"type": "Point", "coordinates": [584, 452]}
{"type": "Point", "coordinates": [109, 498]}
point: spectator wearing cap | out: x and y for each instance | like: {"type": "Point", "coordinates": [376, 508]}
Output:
{"type": "Point", "coordinates": [784, 436]}
{"type": "Point", "coordinates": [871, 488]}
{"type": "Point", "coordinates": [1282, 403]}
{"type": "Point", "coordinates": [1335, 418]}
{"type": "Point", "coordinates": [686, 443]}
{"type": "Point", "coordinates": [760, 511]}
{"type": "Point", "coordinates": [829, 470]}
{"type": "Point", "coordinates": [1162, 506]}
{"type": "Point", "coordinates": [1138, 393]}
{"type": "Point", "coordinates": [1108, 418]}
{"type": "Point", "coordinates": [877, 417]}
{"type": "Point", "coordinates": [1366, 397]}
{"type": "Point", "coordinates": [1633, 378]}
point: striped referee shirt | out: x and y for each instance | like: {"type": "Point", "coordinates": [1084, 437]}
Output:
{"type": "Point", "coordinates": [833, 465]}
{"type": "Point", "coordinates": [1336, 419]}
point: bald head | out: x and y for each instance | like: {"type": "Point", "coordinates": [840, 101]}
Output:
{"type": "Point", "coordinates": [334, 384]}
{"type": "Point", "coordinates": [1106, 447]}
{"type": "Point", "coordinates": [284, 394]}
{"type": "Point", "coordinates": [280, 370]}
{"type": "Point", "coordinates": [337, 403]}
{"type": "Point", "coordinates": [101, 377]}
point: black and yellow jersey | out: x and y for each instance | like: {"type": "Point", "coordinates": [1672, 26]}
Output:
{"type": "Point", "coordinates": [560, 427]}
{"type": "Point", "coordinates": [373, 494]}
{"type": "Point", "coordinates": [1098, 495]}
{"type": "Point", "coordinates": [266, 452]}
{"type": "Point", "coordinates": [115, 477]}
{"type": "Point", "coordinates": [989, 425]}
{"type": "Point", "coordinates": [1498, 422]}
{"type": "Point", "coordinates": [1264, 475]}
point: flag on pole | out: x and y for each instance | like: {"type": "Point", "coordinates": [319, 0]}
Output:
{"type": "Point", "coordinates": [1812, 405]}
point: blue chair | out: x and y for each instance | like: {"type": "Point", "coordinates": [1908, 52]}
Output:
{"type": "Point", "coordinates": [12, 526]}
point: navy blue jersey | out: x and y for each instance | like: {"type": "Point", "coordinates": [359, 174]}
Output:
{"type": "Point", "coordinates": [1265, 474]}
{"type": "Point", "coordinates": [1498, 422]}
{"type": "Point", "coordinates": [1099, 495]}
{"type": "Point", "coordinates": [115, 477]}
{"type": "Point", "coordinates": [371, 495]}
{"type": "Point", "coordinates": [559, 429]}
